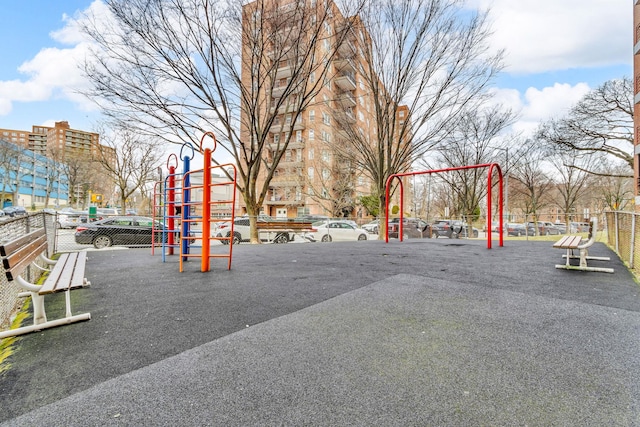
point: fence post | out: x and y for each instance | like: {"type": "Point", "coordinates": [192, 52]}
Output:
{"type": "Point", "coordinates": [617, 231]}
{"type": "Point", "coordinates": [633, 239]}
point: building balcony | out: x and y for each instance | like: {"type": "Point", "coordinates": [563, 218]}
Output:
{"type": "Point", "coordinates": [347, 99]}
{"type": "Point", "coordinates": [279, 127]}
{"type": "Point", "coordinates": [294, 144]}
{"type": "Point", "coordinates": [345, 65]}
{"type": "Point", "coordinates": [345, 81]}
{"type": "Point", "coordinates": [290, 164]}
{"type": "Point", "coordinates": [347, 49]}
{"type": "Point", "coordinates": [349, 117]}
{"type": "Point", "coordinates": [284, 70]}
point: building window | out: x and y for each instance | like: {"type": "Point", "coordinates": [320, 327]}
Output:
{"type": "Point", "coordinates": [312, 115]}
{"type": "Point", "coordinates": [310, 154]}
{"type": "Point", "coordinates": [326, 119]}
{"type": "Point", "coordinates": [298, 136]}
{"type": "Point", "coordinates": [310, 173]}
{"type": "Point", "coordinates": [312, 134]}
{"type": "Point", "coordinates": [325, 156]}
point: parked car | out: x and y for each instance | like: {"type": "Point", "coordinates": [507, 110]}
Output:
{"type": "Point", "coordinates": [545, 228]}
{"type": "Point", "coordinates": [562, 227]}
{"type": "Point", "coordinates": [518, 229]}
{"type": "Point", "coordinates": [464, 232]}
{"type": "Point", "coordinates": [118, 230]}
{"type": "Point", "coordinates": [3, 216]}
{"type": "Point", "coordinates": [242, 232]}
{"type": "Point", "coordinates": [15, 211]}
{"type": "Point", "coordinates": [412, 228]}
{"type": "Point", "coordinates": [446, 227]}
{"type": "Point", "coordinates": [550, 228]}
{"type": "Point", "coordinates": [69, 218]}
{"type": "Point", "coordinates": [579, 227]}
{"type": "Point", "coordinates": [372, 227]}
{"type": "Point", "coordinates": [329, 231]}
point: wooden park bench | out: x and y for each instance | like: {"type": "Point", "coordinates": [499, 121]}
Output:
{"type": "Point", "coordinates": [66, 273]}
{"type": "Point", "coordinates": [572, 243]}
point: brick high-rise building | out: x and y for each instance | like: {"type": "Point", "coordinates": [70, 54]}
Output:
{"type": "Point", "coordinates": [312, 177]}
{"type": "Point", "coordinates": [636, 93]}
{"type": "Point", "coordinates": [58, 141]}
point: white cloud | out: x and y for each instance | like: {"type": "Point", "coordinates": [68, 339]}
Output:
{"type": "Point", "coordinates": [53, 73]}
{"type": "Point", "coordinates": [545, 35]}
{"type": "Point", "coordinates": [538, 105]}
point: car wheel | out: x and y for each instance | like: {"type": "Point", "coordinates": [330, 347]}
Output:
{"type": "Point", "coordinates": [362, 237]}
{"type": "Point", "coordinates": [518, 234]}
{"type": "Point", "coordinates": [375, 230]}
{"type": "Point", "coordinates": [326, 238]}
{"type": "Point", "coordinates": [236, 239]}
{"type": "Point", "coordinates": [405, 236]}
{"type": "Point", "coordinates": [281, 238]}
{"type": "Point", "coordinates": [475, 234]}
{"type": "Point", "coordinates": [58, 225]}
{"type": "Point", "coordinates": [453, 235]}
{"type": "Point", "coordinates": [102, 242]}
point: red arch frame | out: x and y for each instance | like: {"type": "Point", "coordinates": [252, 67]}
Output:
{"type": "Point", "coordinates": [491, 167]}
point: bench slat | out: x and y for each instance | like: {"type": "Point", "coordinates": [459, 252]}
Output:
{"type": "Point", "coordinates": [12, 246]}
{"type": "Point", "coordinates": [68, 273]}
{"type": "Point", "coordinates": [78, 279]}
{"type": "Point", "coordinates": [17, 262]}
{"type": "Point", "coordinates": [568, 242]}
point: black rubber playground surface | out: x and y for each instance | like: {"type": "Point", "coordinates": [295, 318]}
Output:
{"type": "Point", "coordinates": [424, 332]}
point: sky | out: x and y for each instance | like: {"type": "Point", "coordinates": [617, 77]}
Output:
{"type": "Point", "coordinates": [556, 51]}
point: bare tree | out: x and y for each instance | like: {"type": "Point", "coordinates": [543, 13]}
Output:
{"type": "Point", "coordinates": [176, 68]}
{"type": "Point", "coordinates": [12, 159]}
{"type": "Point", "coordinates": [615, 192]}
{"type": "Point", "coordinates": [425, 61]}
{"type": "Point", "coordinates": [130, 160]}
{"type": "Point", "coordinates": [473, 141]}
{"type": "Point", "coordinates": [532, 184]}
{"type": "Point", "coordinates": [573, 180]}
{"type": "Point", "coordinates": [601, 122]}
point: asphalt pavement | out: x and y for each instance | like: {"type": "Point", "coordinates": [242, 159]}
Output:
{"type": "Point", "coordinates": [414, 333]}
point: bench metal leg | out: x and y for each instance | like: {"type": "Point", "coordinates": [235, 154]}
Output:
{"type": "Point", "coordinates": [577, 267]}
{"type": "Point", "coordinates": [50, 324]}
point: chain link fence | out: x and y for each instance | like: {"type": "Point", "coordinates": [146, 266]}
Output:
{"type": "Point", "coordinates": [622, 232]}
{"type": "Point", "coordinates": [12, 228]}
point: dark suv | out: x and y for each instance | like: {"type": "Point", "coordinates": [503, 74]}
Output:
{"type": "Point", "coordinates": [412, 228]}
{"type": "Point", "coordinates": [447, 227]}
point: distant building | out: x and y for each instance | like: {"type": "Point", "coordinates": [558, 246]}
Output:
{"type": "Point", "coordinates": [30, 179]}
{"type": "Point", "coordinates": [70, 147]}
{"type": "Point", "coordinates": [59, 141]}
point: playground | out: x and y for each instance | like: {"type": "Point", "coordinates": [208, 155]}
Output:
{"type": "Point", "coordinates": [422, 332]}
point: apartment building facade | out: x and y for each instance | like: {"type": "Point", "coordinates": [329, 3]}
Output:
{"type": "Point", "coordinates": [313, 175]}
{"type": "Point", "coordinates": [30, 179]}
{"type": "Point", "coordinates": [64, 145]}
{"type": "Point", "coordinates": [636, 99]}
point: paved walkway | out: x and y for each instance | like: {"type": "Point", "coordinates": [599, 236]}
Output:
{"type": "Point", "coordinates": [431, 332]}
